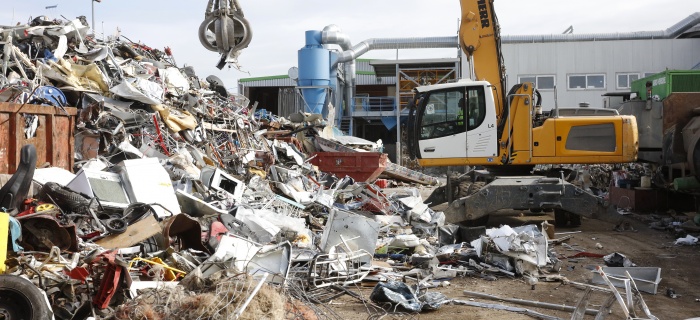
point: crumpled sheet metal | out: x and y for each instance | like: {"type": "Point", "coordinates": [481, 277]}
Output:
{"type": "Point", "coordinates": [140, 90]}
{"type": "Point", "coordinates": [78, 77]}
{"type": "Point", "coordinates": [176, 120]}
{"type": "Point", "coordinates": [524, 243]}
{"type": "Point", "coordinates": [353, 230]}
{"type": "Point", "coordinates": [400, 294]}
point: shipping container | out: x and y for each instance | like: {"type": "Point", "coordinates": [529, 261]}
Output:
{"type": "Point", "coordinates": [667, 82]}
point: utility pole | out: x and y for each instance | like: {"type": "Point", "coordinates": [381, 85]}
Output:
{"type": "Point", "coordinates": [94, 30]}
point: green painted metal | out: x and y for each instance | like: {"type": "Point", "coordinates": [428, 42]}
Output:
{"type": "Point", "coordinates": [667, 82]}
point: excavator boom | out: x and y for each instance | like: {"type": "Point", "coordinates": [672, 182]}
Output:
{"type": "Point", "coordinates": [480, 40]}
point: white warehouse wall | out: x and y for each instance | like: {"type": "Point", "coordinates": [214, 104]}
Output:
{"type": "Point", "coordinates": [562, 59]}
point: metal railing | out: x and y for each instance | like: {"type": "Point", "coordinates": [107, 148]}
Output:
{"type": "Point", "coordinates": [366, 103]}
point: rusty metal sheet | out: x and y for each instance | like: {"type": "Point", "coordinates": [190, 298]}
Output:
{"type": "Point", "coordinates": [53, 139]}
{"type": "Point", "coordinates": [678, 108]}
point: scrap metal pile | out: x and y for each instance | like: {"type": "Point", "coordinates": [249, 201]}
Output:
{"type": "Point", "coordinates": [185, 199]}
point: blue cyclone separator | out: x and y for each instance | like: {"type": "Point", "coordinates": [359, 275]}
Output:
{"type": "Point", "coordinates": [314, 70]}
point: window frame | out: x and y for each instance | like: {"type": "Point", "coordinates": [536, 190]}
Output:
{"type": "Point", "coordinates": [629, 82]}
{"type": "Point", "coordinates": [586, 75]}
{"type": "Point", "coordinates": [537, 80]}
{"type": "Point", "coordinates": [449, 126]}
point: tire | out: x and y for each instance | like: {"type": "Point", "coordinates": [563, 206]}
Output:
{"type": "Point", "coordinates": [466, 188]}
{"type": "Point", "coordinates": [65, 198]}
{"type": "Point", "coordinates": [461, 189]}
{"type": "Point", "coordinates": [21, 299]}
{"type": "Point", "coordinates": [115, 225]}
{"type": "Point", "coordinates": [475, 187]}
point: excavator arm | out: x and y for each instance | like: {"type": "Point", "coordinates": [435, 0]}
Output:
{"type": "Point", "coordinates": [480, 40]}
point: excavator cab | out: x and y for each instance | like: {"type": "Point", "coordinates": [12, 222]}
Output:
{"type": "Point", "coordinates": [452, 123]}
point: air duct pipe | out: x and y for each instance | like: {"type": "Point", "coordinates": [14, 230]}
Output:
{"type": "Point", "coordinates": [393, 44]}
{"type": "Point", "coordinates": [670, 33]}
{"type": "Point", "coordinates": [397, 43]}
{"type": "Point", "coordinates": [332, 35]}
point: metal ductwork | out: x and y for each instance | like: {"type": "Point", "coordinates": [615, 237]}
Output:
{"type": "Point", "coordinates": [670, 33]}
{"type": "Point", "coordinates": [332, 35]}
{"type": "Point", "coordinates": [397, 43]}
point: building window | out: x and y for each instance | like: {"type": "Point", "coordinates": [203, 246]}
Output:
{"type": "Point", "coordinates": [545, 82]}
{"type": "Point", "coordinates": [624, 80]}
{"type": "Point", "coordinates": [649, 74]}
{"type": "Point", "coordinates": [587, 82]}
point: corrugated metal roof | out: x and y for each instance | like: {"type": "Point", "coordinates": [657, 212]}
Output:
{"type": "Point", "coordinates": [264, 78]}
{"type": "Point", "coordinates": [363, 78]}
{"type": "Point", "coordinates": [677, 30]}
{"type": "Point", "coordinates": [271, 81]}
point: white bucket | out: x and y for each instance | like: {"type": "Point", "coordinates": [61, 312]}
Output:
{"type": "Point", "coordinates": [646, 182]}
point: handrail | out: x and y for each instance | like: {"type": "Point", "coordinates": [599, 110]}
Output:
{"type": "Point", "coordinates": [375, 103]}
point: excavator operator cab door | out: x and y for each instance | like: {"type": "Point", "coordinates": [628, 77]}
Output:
{"type": "Point", "coordinates": [453, 122]}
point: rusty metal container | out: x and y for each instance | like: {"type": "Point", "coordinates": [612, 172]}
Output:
{"type": "Point", "coordinates": [53, 139]}
{"type": "Point", "coordinates": [361, 166]}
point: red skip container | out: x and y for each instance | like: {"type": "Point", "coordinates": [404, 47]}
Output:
{"type": "Point", "coordinates": [361, 166]}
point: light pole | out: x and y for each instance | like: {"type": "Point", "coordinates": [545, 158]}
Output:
{"type": "Point", "coordinates": [93, 15]}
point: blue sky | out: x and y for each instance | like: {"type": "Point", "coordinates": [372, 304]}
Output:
{"type": "Point", "coordinates": [279, 25]}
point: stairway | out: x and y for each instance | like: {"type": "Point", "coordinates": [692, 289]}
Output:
{"type": "Point", "coordinates": [346, 125]}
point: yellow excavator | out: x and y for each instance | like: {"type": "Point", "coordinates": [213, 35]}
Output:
{"type": "Point", "coordinates": [475, 122]}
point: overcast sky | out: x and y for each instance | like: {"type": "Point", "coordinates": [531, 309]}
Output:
{"type": "Point", "coordinates": [279, 25]}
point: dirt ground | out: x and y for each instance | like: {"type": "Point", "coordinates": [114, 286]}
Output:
{"type": "Point", "coordinates": [680, 270]}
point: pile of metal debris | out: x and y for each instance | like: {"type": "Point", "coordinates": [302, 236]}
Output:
{"type": "Point", "coordinates": [187, 202]}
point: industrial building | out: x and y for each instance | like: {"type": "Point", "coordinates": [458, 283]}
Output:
{"type": "Point", "coordinates": [568, 69]}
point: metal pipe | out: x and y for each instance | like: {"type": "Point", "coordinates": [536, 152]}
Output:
{"type": "Point", "coordinates": [552, 306]}
{"type": "Point", "coordinates": [332, 34]}
{"type": "Point", "coordinates": [670, 33]}
{"type": "Point", "coordinates": [397, 43]}
{"type": "Point", "coordinates": [496, 306]}
{"type": "Point", "coordinates": [93, 16]}
{"type": "Point", "coordinates": [247, 301]}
